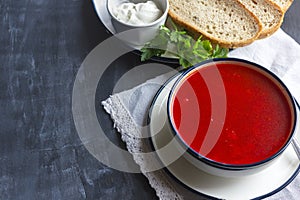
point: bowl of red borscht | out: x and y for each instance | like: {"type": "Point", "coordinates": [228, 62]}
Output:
{"type": "Point", "coordinates": [232, 116]}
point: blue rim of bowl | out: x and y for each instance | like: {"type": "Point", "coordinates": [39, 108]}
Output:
{"type": "Point", "coordinates": [285, 184]}
{"type": "Point", "coordinates": [150, 139]}
{"type": "Point", "coordinates": [231, 167]}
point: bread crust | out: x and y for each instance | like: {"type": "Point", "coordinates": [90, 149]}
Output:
{"type": "Point", "coordinates": [262, 30]}
{"type": "Point", "coordinates": [266, 32]}
{"type": "Point", "coordinates": [288, 5]}
{"type": "Point", "coordinates": [224, 43]}
{"type": "Point", "coordinates": [285, 7]}
{"type": "Point", "coordinates": [269, 32]}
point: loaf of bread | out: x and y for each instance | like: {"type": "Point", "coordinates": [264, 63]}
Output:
{"type": "Point", "coordinates": [269, 14]}
{"type": "Point", "coordinates": [283, 4]}
{"type": "Point", "coordinates": [226, 22]}
{"type": "Point", "coordinates": [229, 23]}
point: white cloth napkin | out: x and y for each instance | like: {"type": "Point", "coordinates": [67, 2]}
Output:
{"type": "Point", "coordinates": [128, 109]}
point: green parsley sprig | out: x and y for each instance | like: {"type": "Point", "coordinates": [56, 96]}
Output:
{"type": "Point", "coordinates": [183, 46]}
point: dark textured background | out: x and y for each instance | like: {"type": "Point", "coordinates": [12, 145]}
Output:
{"type": "Point", "coordinates": [42, 45]}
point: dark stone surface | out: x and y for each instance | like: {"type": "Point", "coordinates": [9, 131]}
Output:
{"type": "Point", "coordinates": [42, 45]}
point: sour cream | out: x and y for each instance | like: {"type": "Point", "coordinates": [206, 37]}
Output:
{"type": "Point", "coordinates": [137, 14]}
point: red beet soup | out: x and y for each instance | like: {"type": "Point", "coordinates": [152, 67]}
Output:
{"type": "Point", "coordinates": [232, 113]}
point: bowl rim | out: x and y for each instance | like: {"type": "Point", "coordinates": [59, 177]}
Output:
{"type": "Point", "coordinates": [164, 15]}
{"type": "Point", "coordinates": [226, 166]}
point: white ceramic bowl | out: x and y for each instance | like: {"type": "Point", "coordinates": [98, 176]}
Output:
{"type": "Point", "coordinates": [203, 161]}
{"type": "Point", "coordinates": [138, 35]}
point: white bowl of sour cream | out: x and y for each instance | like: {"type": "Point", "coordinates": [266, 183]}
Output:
{"type": "Point", "coordinates": [142, 17]}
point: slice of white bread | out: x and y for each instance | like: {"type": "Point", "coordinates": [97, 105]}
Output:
{"type": "Point", "coordinates": [270, 15]}
{"type": "Point", "coordinates": [226, 22]}
{"type": "Point", "coordinates": [283, 4]}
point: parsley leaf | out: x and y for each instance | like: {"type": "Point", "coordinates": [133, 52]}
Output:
{"type": "Point", "coordinates": [158, 45]}
{"type": "Point", "coordinates": [188, 51]}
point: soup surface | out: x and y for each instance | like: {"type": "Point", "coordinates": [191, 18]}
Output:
{"type": "Point", "coordinates": [231, 114]}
